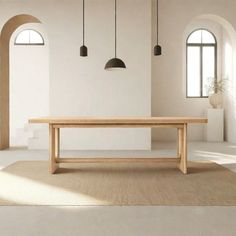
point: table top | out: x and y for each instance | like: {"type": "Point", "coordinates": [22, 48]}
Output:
{"type": "Point", "coordinates": [118, 120]}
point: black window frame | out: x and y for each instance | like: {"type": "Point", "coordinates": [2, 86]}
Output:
{"type": "Point", "coordinates": [29, 44]}
{"type": "Point", "coordinates": [201, 46]}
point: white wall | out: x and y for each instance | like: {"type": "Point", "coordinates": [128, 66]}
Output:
{"type": "Point", "coordinates": [29, 85]}
{"type": "Point", "coordinates": [177, 19]}
{"type": "Point", "coordinates": [81, 86]}
{"type": "Point", "coordinates": [229, 72]}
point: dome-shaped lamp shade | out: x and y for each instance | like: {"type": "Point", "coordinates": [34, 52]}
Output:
{"type": "Point", "coordinates": [157, 50]}
{"type": "Point", "coordinates": [83, 51]}
{"type": "Point", "coordinates": [115, 63]}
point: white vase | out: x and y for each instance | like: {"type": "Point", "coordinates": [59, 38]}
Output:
{"type": "Point", "coordinates": [216, 100]}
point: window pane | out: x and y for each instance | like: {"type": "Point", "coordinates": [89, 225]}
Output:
{"type": "Point", "coordinates": [207, 37]}
{"type": "Point", "coordinates": [193, 71]}
{"type": "Point", "coordinates": [23, 37]}
{"type": "Point", "coordinates": [208, 67]}
{"type": "Point", "coordinates": [35, 37]}
{"type": "Point", "coordinates": [195, 37]}
{"type": "Point", "coordinates": [29, 37]}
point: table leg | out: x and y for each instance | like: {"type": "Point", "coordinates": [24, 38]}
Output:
{"type": "Point", "coordinates": [179, 142]}
{"type": "Point", "coordinates": [183, 144]}
{"type": "Point", "coordinates": [57, 142]}
{"type": "Point", "coordinates": [52, 150]}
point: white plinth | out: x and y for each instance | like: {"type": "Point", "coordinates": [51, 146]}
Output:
{"type": "Point", "coordinates": [215, 126]}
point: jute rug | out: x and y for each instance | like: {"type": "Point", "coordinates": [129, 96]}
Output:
{"type": "Point", "coordinates": [29, 183]}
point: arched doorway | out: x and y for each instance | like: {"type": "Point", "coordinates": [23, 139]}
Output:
{"type": "Point", "coordinates": [5, 37]}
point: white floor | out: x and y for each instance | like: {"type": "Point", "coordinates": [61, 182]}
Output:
{"type": "Point", "coordinates": [86, 221]}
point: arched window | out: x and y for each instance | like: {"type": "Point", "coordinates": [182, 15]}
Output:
{"type": "Point", "coordinates": [29, 37]}
{"type": "Point", "coordinates": [201, 62]}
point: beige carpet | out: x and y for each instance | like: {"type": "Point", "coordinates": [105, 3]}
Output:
{"type": "Point", "coordinates": [29, 183]}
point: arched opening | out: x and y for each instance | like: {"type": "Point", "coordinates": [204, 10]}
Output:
{"type": "Point", "coordinates": [226, 65]}
{"type": "Point", "coordinates": [7, 32]}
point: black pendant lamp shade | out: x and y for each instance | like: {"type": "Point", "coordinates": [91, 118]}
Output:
{"type": "Point", "coordinates": [115, 63]}
{"type": "Point", "coordinates": [83, 48]}
{"type": "Point", "coordinates": [157, 48]}
{"type": "Point", "coordinates": [83, 51]}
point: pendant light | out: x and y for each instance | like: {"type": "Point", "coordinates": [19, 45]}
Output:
{"type": "Point", "coordinates": [83, 48]}
{"type": "Point", "coordinates": [115, 63]}
{"type": "Point", "coordinates": [157, 48]}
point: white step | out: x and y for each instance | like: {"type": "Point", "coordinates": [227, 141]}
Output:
{"type": "Point", "coordinates": [28, 131]}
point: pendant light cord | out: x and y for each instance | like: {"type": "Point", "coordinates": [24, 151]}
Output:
{"type": "Point", "coordinates": [115, 28]}
{"type": "Point", "coordinates": [83, 21]}
{"type": "Point", "coordinates": [157, 22]}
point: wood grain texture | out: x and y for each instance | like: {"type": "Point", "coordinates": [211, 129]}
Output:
{"type": "Point", "coordinates": [183, 156]}
{"type": "Point", "coordinates": [118, 120]}
{"type": "Point", "coordinates": [131, 125]}
{"type": "Point", "coordinates": [55, 123]}
{"type": "Point", "coordinates": [53, 166]}
{"type": "Point", "coordinates": [118, 160]}
{"type": "Point", "coordinates": [57, 142]}
{"type": "Point", "coordinates": [179, 142]}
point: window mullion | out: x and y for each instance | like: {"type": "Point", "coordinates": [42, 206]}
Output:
{"type": "Point", "coordinates": [201, 70]}
{"type": "Point", "coordinates": [29, 36]}
{"type": "Point", "coordinates": [215, 54]}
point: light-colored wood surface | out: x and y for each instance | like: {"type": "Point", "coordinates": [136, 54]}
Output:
{"type": "Point", "coordinates": [183, 155]}
{"type": "Point", "coordinates": [116, 125]}
{"type": "Point", "coordinates": [53, 166]}
{"type": "Point", "coordinates": [56, 123]}
{"type": "Point", "coordinates": [118, 160]}
{"type": "Point", "coordinates": [57, 142]}
{"type": "Point", "coordinates": [179, 142]}
{"type": "Point", "coordinates": [118, 120]}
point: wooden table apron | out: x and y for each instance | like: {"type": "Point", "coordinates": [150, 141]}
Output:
{"type": "Point", "coordinates": [54, 145]}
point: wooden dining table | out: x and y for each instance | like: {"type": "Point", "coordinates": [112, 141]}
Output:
{"type": "Point", "coordinates": [57, 123]}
